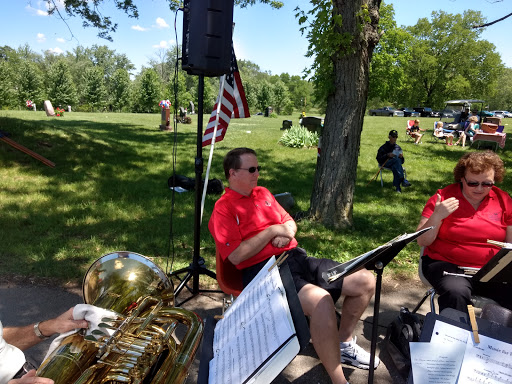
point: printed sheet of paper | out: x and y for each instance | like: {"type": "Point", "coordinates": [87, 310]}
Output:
{"type": "Point", "coordinates": [255, 326]}
{"type": "Point", "coordinates": [434, 365]}
{"type": "Point", "coordinates": [444, 333]}
{"type": "Point", "coordinates": [488, 362]}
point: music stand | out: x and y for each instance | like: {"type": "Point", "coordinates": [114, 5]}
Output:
{"type": "Point", "coordinates": [498, 269]}
{"type": "Point", "coordinates": [374, 260]}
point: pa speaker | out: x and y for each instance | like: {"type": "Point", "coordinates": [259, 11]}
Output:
{"type": "Point", "coordinates": [207, 36]}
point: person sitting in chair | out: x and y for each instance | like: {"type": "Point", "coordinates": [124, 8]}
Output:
{"type": "Point", "coordinates": [439, 132]}
{"type": "Point", "coordinates": [415, 132]}
{"type": "Point", "coordinates": [470, 130]}
{"type": "Point", "coordinates": [249, 226]}
{"type": "Point", "coordinates": [464, 216]}
{"type": "Point", "coordinates": [390, 156]}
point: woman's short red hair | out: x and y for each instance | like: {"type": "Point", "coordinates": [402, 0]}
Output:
{"type": "Point", "coordinates": [478, 162]}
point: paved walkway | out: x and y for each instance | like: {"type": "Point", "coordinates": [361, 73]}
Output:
{"type": "Point", "coordinates": [23, 302]}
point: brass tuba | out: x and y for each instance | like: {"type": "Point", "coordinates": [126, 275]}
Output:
{"type": "Point", "coordinates": [142, 347]}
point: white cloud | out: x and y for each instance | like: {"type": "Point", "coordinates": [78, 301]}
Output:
{"type": "Point", "coordinates": [164, 44]}
{"type": "Point", "coordinates": [56, 50]}
{"type": "Point", "coordinates": [139, 28]}
{"type": "Point", "coordinates": [61, 40]}
{"type": "Point", "coordinates": [160, 23]}
{"type": "Point", "coordinates": [36, 11]}
{"type": "Point", "coordinates": [41, 38]}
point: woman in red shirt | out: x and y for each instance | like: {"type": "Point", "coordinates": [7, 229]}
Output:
{"type": "Point", "coordinates": [465, 215]}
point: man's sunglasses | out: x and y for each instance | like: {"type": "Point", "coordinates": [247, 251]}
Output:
{"type": "Point", "coordinates": [252, 169]}
{"type": "Point", "coordinates": [474, 184]}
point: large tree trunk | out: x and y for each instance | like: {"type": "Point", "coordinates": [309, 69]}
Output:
{"type": "Point", "coordinates": [333, 191]}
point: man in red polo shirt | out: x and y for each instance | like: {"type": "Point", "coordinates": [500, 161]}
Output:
{"type": "Point", "coordinates": [249, 226]}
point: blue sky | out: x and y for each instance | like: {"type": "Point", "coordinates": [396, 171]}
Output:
{"type": "Point", "coordinates": [269, 38]}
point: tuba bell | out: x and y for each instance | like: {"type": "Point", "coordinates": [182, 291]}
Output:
{"type": "Point", "coordinates": [141, 345]}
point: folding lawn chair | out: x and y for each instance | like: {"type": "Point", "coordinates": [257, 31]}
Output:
{"type": "Point", "coordinates": [408, 136]}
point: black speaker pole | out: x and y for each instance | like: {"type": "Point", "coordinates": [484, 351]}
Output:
{"type": "Point", "coordinates": [197, 267]}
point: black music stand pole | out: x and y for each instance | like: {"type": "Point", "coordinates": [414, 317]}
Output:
{"type": "Point", "coordinates": [197, 267]}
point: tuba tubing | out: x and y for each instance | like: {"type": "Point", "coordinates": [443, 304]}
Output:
{"type": "Point", "coordinates": [142, 345]}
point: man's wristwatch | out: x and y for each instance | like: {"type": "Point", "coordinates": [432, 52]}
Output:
{"type": "Point", "coordinates": [38, 333]}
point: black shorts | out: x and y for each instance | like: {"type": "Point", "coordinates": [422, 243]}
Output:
{"type": "Point", "coordinates": [304, 270]}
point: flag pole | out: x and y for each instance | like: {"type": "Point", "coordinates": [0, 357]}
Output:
{"type": "Point", "coordinates": [221, 91]}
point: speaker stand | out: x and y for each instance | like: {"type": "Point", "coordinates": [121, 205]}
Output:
{"type": "Point", "coordinates": [197, 267]}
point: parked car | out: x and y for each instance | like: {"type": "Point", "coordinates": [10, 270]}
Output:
{"type": "Point", "coordinates": [386, 111]}
{"type": "Point", "coordinates": [507, 114]}
{"type": "Point", "coordinates": [449, 113]}
{"type": "Point", "coordinates": [409, 112]}
{"type": "Point", "coordinates": [427, 112]}
{"type": "Point", "coordinates": [499, 113]}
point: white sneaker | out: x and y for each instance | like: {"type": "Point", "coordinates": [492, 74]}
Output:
{"type": "Point", "coordinates": [354, 355]}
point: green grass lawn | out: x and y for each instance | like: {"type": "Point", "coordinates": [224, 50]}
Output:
{"type": "Point", "coordinates": [108, 191]}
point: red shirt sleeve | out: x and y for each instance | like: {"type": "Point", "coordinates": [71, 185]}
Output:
{"type": "Point", "coordinates": [224, 229]}
{"type": "Point", "coordinates": [431, 204]}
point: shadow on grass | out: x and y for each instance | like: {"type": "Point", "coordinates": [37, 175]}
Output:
{"type": "Point", "coordinates": [106, 188]}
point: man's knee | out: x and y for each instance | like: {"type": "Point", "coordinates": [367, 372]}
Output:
{"type": "Point", "coordinates": [367, 281]}
{"type": "Point", "coordinates": [361, 283]}
{"type": "Point", "coordinates": [315, 300]}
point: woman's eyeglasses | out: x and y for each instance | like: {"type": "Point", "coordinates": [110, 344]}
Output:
{"type": "Point", "coordinates": [474, 184]}
{"type": "Point", "coordinates": [252, 169]}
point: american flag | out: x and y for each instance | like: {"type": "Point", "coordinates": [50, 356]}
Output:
{"type": "Point", "coordinates": [232, 104]}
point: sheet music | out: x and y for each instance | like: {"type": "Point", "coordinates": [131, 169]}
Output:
{"type": "Point", "coordinates": [488, 362]}
{"type": "Point", "coordinates": [255, 326]}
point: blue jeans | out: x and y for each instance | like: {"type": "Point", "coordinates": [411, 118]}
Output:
{"type": "Point", "coordinates": [395, 164]}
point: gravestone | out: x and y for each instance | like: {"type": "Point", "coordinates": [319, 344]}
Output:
{"type": "Point", "coordinates": [166, 119]}
{"type": "Point", "coordinates": [287, 124]}
{"type": "Point", "coordinates": [48, 108]}
{"type": "Point", "coordinates": [313, 123]}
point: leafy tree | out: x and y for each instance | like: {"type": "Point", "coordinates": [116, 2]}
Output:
{"type": "Point", "coordinates": [94, 92]}
{"type": "Point", "coordinates": [265, 95]}
{"type": "Point", "coordinates": [301, 93]}
{"type": "Point", "coordinates": [121, 90]}
{"type": "Point", "coordinates": [502, 100]}
{"type": "Point", "coordinates": [7, 92]}
{"type": "Point", "coordinates": [449, 61]}
{"type": "Point", "coordinates": [181, 91]}
{"type": "Point", "coordinates": [281, 99]}
{"type": "Point", "coordinates": [61, 89]}
{"type": "Point", "coordinates": [388, 80]}
{"type": "Point", "coordinates": [148, 93]}
{"type": "Point", "coordinates": [252, 89]}
{"type": "Point", "coordinates": [30, 84]}
{"type": "Point", "coordinates": [79, 62]}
